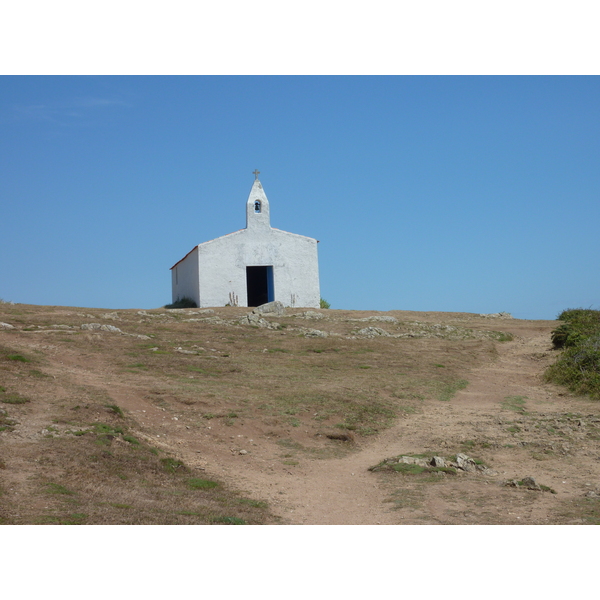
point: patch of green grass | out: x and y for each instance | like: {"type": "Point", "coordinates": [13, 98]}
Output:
{"type": "Point", "coordinates": [514, 429]}
{"type": "Point", "coordinates": [72, 519]}
{"type": "Point", "coordinates": [105, 429]}
{"type": "Point", "coordinates": [228, 520]}
{"type": "Point", "coordinates": [131, 440]}
{"type": "Point", "coordinates": [13, 399]}
{"type": "Point", "coordinates": [253, 503]}
{"type": "Point", "coordinates": [201, 484]}
{"type": "Point", "coordinates": [18, 358]}
{"type": "Point", "coordinates": [361, 412]}
{"type": "Point", "coordinates": [38, 374]}
{"type": "Point", "coordinates": [447, 390]}
{"type": "Point", "coordinates": [515, 403]}
{"type": "Point", "coordinates": [56, 488]}
{"type": "Point", "coordinates": [471, 444]}
{"type": "Point", "coordinates": [173, 465]}
{"type": "Point", "coordinates": [291, 444]}
{"type": "Point", "coordinates": [116, 409]}
{"type": "Point", "coordinates": [408, 469]}
{"type": "Point", "coordinates": [502, 336]}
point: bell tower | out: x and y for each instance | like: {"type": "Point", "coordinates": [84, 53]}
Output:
{"type": "Point", "coordinates": [257, 207]}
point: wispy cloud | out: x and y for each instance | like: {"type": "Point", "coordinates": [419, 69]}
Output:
{"type": "Point", "coordinates": [91, 102]}
{"type": "Point", "coordinates": [75, 111]}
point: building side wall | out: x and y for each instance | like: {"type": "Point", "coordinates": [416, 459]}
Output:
{"type": "Point", "coordinates": [222, 267]}
{"type": "Point", "coordinates": [185, 278]}
{"type": "Point", "coordinates": [296, 276]}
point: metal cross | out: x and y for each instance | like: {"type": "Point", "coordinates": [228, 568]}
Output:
{"type": "Point", "coordinates": [255, 173]}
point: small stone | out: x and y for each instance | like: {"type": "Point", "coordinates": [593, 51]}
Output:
{"type": "Point", "coordinates": [371, 332]}
{"type": "Point", "coordinates": [243, 452]}
{"type": "Point", "coordinates": [315, 333]}
{"type": "Point", "coordinates": [510, 483]}
{"type": "Point", "coordinates": [530, 483]}
{"type": "Point", "coordinates": [437, 461]}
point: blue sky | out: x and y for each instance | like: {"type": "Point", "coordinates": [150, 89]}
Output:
{"type": "Point", "coordinates": [432, 193]}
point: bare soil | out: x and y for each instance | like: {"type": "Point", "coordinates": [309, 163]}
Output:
{"type": "Point", "coordinates": [285, 417]}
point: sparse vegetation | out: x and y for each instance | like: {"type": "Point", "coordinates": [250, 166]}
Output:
{"type": "Point", "coordinates": [324, 304]}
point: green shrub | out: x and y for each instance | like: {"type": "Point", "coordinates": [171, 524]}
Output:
{"type": "Point", "coordinates": [184, 302]}
{"type": "Point", "coordinates": [577, 325]}
{"type": "Point", "coordinates": [324, 304]}
{"type": "Point", "coordinates": [578, 367]}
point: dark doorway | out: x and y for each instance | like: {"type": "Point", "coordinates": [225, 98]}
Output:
{"type": "Point", "coordinates": [259, 282]}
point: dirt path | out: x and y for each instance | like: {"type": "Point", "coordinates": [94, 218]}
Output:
{"type": "Point", "coordinates": [343, 491]}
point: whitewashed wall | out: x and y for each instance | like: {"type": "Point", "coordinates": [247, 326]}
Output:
{"type": "Point", "coordinates": [214, 273]}
{"type": "Point", "coordinates": [184, 278]}
{"type": "Point", "coordinates": [223, 262]}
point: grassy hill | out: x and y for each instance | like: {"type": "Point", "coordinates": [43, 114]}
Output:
{"type": "Point", "coordinates": [151, 417]}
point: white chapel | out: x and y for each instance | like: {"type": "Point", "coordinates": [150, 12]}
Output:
{"type": "Point", "coordinates": [252, 266]}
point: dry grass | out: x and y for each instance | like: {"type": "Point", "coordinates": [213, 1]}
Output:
{"type": "Point", "coordinates": [76, 451]}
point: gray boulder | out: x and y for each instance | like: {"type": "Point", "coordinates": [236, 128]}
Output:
{"type": "Point", "coordinates": [270, 308]}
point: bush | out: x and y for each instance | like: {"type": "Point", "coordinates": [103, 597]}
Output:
{"type": "Point", "coordinates": [324, 304]}
{"type": "Point", "coordinates": [184, 302]}
{"type": "Point", "coordinates": [578, 324]}
{"type": "Point", "coordinates": [578, 367]}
